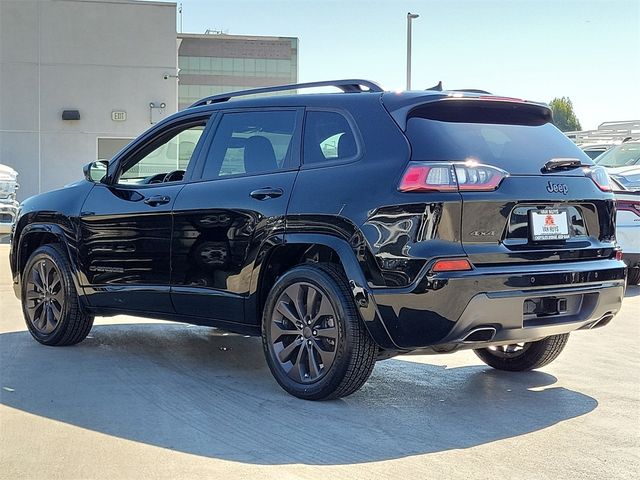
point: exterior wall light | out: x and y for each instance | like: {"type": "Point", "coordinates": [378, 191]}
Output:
{"type": "Point", "coordinates": [71, 115]}
{"type": "Point", "coordinates": [156, 111]}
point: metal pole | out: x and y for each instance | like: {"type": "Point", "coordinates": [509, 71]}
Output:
{"type": "Point", "coordinates": [410, 16]}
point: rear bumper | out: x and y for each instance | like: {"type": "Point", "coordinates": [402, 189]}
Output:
{"type": "Point", "coordinates": [486, 306]}
{"type": "Point", "coordinates": [598, 306]}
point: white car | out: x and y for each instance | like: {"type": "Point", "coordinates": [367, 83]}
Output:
{"type": "Point", "coordinates": [629, 177]}
{"type": "Point", "coordinates": [621, 159]}
{"type": "Point", "coordinates": [8, 203]}
{"type": "Point", "coordinates": [628, 229]}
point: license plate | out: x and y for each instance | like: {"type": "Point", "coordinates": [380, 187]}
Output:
{"type": "Point", "coordinates": [549, 224]}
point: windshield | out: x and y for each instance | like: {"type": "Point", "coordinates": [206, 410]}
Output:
{"type": "Point", "coordinates": [620, 156]}
{"type": "Point", "coordinates": [593, 154]}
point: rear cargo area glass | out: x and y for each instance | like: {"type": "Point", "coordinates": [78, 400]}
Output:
{"type": "Point", "coordinates": [518, 149]}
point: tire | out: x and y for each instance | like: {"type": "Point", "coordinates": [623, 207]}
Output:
{"type": "Point", "coordinates": [326, 316]}
{"type": "Point", "coordinates": [532, 355]}
{"type": "Point", "coordinates": [633, 276]}
{"type": "Point", "coordinates": [50, 306]}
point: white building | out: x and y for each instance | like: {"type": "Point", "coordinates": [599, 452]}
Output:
{"type": "Point", "coordinates": [92, 58]}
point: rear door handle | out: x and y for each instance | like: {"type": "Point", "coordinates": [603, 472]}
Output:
{"type": "Point", "coordinates": [157, 200]}
{"type": "Point", "coordinates": [267, 193]}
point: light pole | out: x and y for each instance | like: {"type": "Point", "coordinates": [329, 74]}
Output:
{"type": "Point", "coordinates": [410, 16]}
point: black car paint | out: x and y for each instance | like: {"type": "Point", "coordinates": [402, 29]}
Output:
{"type": "Point", "coordinates": [201, 258]}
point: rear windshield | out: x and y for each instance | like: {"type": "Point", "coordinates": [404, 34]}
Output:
{"type": "Point", "coordinates": [621, 156]}
{"type": "Point", "coordinates": [518, 149]}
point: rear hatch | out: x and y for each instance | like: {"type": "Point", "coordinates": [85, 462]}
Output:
{"type": "Point", "coordinates": [529, 194]}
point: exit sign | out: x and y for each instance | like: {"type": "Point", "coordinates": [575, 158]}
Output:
{"type": "Point", "coordinates": [118, 115]}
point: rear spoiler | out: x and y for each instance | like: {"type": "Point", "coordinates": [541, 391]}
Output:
{"type": "Point", "coordinates": [456, 106]}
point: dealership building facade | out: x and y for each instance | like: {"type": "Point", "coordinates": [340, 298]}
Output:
{"type": "Point", "coordinates": [74, 88]}
{"type": "Point", "coordinates": [211, 64]}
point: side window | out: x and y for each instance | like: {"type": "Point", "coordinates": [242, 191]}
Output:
{"type": "Point", "coordinates": [166, 159]}
{"type": "Point", "coordinates": [328, 136]}
{"type": "Point", "coordinates": [251, 143]}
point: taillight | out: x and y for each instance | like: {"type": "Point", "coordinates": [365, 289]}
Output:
{"type": "Point", "coordinates": [467, 176]}
{"type": "Point", "coordinates": [628, 206]}
{"type": "Point", "coordinates": [456, 265]}
{"type": "Point", "coordinates": [422, 177]}
{"type": "Point", "coordinates": [600, 177]}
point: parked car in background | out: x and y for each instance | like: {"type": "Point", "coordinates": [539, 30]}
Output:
{"type": "Point", "coordinates": [628, 228]}
{"type": "Point", "coordinates": [620, 157]}
{"type": "Point", "coordinates": [595, 150]}
{"type": "Point", "coordinates": [8, 202]}
{"type": "Point", "coordinates": [628, 177]}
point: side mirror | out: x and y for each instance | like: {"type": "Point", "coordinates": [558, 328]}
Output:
{"type": "Point", "coordinates": [95, 171]}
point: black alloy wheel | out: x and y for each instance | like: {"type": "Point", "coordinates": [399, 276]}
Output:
{"type": "Point", "coordinates": [315, 343]}
{"type": "Point", "coordinates": [50, 303]}
{"type": "Point", "coordinates": [520, 357]}
{"type": "Point", "coordinates": [304, 334]}
{"type": "Point", "coordinates": [44, 300]}
{"type": "Point", "coordinates": [509, 351]}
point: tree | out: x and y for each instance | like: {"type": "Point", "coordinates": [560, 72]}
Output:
{"type": "Point", "coordinates": [563, 115]}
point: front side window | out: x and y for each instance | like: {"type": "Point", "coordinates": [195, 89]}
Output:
{"type": "Point", "coordinates": [251, 143]}
{"type": "Point", "coordinates": [328, 136]}
{"type": "Point", "coordinates": [166, 159]}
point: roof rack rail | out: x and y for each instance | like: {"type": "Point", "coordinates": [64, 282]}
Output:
{"type": "Point", "coordinates": [347, 86]}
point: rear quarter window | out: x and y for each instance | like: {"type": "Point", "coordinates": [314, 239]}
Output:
{"type": "Point", "coordinates": [328, 137]}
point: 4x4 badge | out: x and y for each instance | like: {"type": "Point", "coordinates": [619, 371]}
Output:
{"type": "Point", "coordinates": [557, 188]}
{"type": "Point", "coordinates": [483, 233]}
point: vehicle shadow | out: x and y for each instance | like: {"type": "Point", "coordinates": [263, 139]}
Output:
{"type": "Point", "coordinates": [195, 390]}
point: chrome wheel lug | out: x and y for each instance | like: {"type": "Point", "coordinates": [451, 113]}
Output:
{"type": "Point", "coordinates": [309, 342]}
{"type": "Point", "coordinates": [315, 332]}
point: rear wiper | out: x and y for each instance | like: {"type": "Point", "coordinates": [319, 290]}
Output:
{"type": "Point", "coordinates": [562, 164]}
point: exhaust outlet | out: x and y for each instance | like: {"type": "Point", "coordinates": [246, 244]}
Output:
{"type": "Point", "coordinates": [480, 334]}
{"type": "Point", "coordinates": [603, 321]}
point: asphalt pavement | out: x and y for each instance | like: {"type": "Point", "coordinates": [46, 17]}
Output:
{"type": "Point", "coordinates": [143, 399]}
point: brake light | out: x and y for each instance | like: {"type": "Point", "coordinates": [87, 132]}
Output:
{"type": "Point", "coordinates": [618, 254]}
{"type": "Point", "coordinates": [467, 176]}
{"type": "Point", "coordinates": [456, 265]}
{"type": "Point", "coordinates": [628, 206]}
{"type": "Point", "coordinates": [600, 177]}
{"type": "Point", "coordinates": [493, 98]}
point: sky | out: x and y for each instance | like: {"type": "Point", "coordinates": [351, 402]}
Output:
{"type": "Point", "coordinates": [534, 49]}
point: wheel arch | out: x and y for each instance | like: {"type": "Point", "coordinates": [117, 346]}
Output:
{"type": "Point", "coordinates": [298, 248]}
{"type": "Point", "coordinates": [32, 237]}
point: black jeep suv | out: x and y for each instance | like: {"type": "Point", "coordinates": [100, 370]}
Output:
{"type": "Point", "coordinates": [343, 228]}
